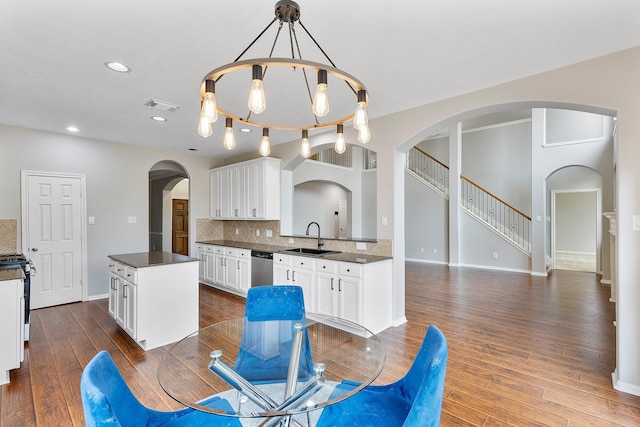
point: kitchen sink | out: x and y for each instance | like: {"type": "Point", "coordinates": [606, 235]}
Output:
{"type": "Point", "coordinates": [309, 251]}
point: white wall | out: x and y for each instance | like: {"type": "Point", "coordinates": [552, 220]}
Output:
{"type": "Point", "coordinates": [575, 217]}
{"type": "Point", "coordinates": [317, 201]}
{"type": "Point", "coordinates": [117, 187]}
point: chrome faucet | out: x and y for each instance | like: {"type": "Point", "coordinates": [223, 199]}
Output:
{"type": "Point", "coordinates": [320, 242]}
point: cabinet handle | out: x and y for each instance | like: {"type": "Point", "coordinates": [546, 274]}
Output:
{"type": "Point", "coordinates": [120, 269]}
{"type": "Point", "coordinates": [287, 274]}
{"type": "Point", "coordinates": [340, 285]}
{"type": "Point", "coordinates": [238, 264]}
{"type": "Point", "coordinates": [332, 283]}
{"type": "Point", "coordinates": [236, 212]}
{"type": "Point", "coordinates": [254, 212]}
{"type": "Point", "coordinates": [222, 261]}
{"type": "Point", "coordinates": [124, 291]}
{"type": "Point", "coordinates": [293, 276]}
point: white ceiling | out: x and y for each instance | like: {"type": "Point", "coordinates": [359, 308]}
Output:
{"type": "Point", "coordinates": [406, 53]}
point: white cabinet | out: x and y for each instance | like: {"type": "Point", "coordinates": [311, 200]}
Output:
{"type": "Point", "coordinates": [155, 304]}
{"type": "Point", "coordinates": [359, 293]}
{"type": "Point", "coordinates": [226, 268]}
{"type": "Point", "coordinates": [338, 290]}
{"type": "Point", "coordinates": [11, 322]}
{"type": "Point", "coordinates": [300, 271]}
{"type": "Point", "coordinates": [246, 190]}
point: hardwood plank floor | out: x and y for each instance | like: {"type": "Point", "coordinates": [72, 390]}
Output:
{"type": "Point", "coordinates": [523, 351]}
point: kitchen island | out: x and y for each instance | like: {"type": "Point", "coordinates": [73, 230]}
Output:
{"type": "Point", "coordinates": [153, 296]}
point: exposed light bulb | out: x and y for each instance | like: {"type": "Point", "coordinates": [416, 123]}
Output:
{"type": "Point", "coordinates": [209, 107]}
{"type": "Point", "coordinates": [229, 140]}
{"type": "Point", "coordinates": [361, 118]}
{"type": "Point", "coordinates": [305, 147]}
{"type": "Point", "coordinates": [257, 101]}
{"type": "Point", "coordinates": [320, 105]}
{"type": "Point", "coordinates": [265, 144]}
{"type": "Point", "coordinates": [341, 145]}
{"type": "Point", "coordinates": [364, 135]}
{"type": "Point", "coordinates": [204, 127]}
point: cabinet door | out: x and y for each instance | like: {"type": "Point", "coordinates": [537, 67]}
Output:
{"type": "Point", "coordinates": [220, 207]}
{"type": "Point", "coordinates": [231, 274]}
{"type": "Point", "coordinates": [214, 191]}
{"type": "Point", "coordinates": [219, 270]}
{"type": "Point", "coordinates": [209, 267]}
{"type": "Point", "coordinates": [120, 304]}
{"type": "Point", "coordinates": [201, 266]}
{"type": "Point", "coordinates": [130, 310]}
{"type": "Point", "coordinates": [237, 194]}
{"type": "Point", "coordinates": [255, 186]}
{"type": "Point", "coordinates": [348, 294]}
{"type": "Point", "coordinates": [326, 285]}
{"type": "Point", "coordinates": [113, 295]}
{"type": "Point", "coordinates": [306, 280]}
{"type": "Point", "coordinates": [281, 269]}
{"type": "Point", "coordinates": [244, 274]}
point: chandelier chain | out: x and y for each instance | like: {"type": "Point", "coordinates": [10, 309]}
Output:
{"type": "Point", "coordinates": [324, 53]}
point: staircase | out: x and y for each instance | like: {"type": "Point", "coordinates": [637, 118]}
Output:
{"type": "Point", "coordinates": [507, 221]}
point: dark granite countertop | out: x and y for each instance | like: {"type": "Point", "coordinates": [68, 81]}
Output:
{"type": "Point", "coordinates": [11, 274]}
{"type": "Point", "coordinates": [340, 256]}
{"type": "Point", "coordinates": [151, 259]}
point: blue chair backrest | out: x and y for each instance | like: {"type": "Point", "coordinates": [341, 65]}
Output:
{"type": "Point", "coordinates": [265, 349]}
{"type": "Point", "coordinates": [424, 383]}
{"type": "Point", "coordinates": [279, 302]}
{"type": "Point", "coordinates": [106, 398]}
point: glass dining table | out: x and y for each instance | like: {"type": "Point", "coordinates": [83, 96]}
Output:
{"type": "Point", "coordinates": [288, 379]}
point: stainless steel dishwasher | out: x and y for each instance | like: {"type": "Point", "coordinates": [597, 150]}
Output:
{"type": "Point", "coordinates": [261, 268]}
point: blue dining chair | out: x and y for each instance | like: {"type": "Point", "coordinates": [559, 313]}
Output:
{"type": "Point", "coordinates": [414, 400]}
{"type": "Point", "coordinates": [265, 348]}
{"type": "Point", "coordinates": [108, 401]}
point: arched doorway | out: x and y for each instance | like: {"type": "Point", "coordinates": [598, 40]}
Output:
{"type": "Point", "coordinates": [168, 208]}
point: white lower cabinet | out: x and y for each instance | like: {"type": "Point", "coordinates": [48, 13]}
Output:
{"type": "Point", "coordinates": [359, 293]}
{"type": "Point", "coordinates": [11, 325]}
{"type": "Point", "coordinates": [226, 268]}
{"type": "Point", "coordinates": [154, 305]}
{"type": "Point", "coordinates": [294, 270]}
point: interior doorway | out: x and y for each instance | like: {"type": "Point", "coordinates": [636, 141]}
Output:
{"type": "Point", "coordinates": [168, 181]}
{"type": "Point", "coordinates": [575, 230]}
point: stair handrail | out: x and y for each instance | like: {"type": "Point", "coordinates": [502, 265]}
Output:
{"type": "Point", "coordinates": [432, 158]}
{"type": "Point", "coordinates": [495, 197]}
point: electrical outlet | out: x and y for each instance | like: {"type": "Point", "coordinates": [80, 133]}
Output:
{"type": "Point", "coordinates": [435, 251]}
{"type": "Point", "coordinates": [361, 246]}
{"type": "Point", "coordinates": [291, 240]}
{"type": "Point", "coordinates": [268, 233]}
{"type": "Point", "coordinates": [422, 250]}
{"type": "Point", "coordinates": [494, 255]}
{"type": "Point", "coordinates": [257, 233]}
{"type": "Point", "coordinates": [237, 232]}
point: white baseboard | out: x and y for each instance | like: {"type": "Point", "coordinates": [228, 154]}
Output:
{"type": "Point", "coordinates": [97, 297]}
{"type": "Point", "coordinates": [426, 261]}
{"type": "Point", "coordinates": [398, 322]}
{"type": "Point", "coordinates": [624, 387]}
{"type": "Point", "coordinates": [487, 267]}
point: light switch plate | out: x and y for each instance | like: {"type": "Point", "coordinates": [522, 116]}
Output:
{"type": "Point", "coordinates": [132, 220]}
{"type": "Point", "coordinates": [268, 233]}
{"type": "Point", "coordinates": [361, 246]}
{"type": "Point", "coordinates": [92, 220]}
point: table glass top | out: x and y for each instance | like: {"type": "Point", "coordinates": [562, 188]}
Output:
{"type": "Point", "coordinates": [210, 363]}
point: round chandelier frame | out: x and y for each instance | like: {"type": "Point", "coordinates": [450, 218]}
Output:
{"type": "Point", "coordinates": [217, 73]}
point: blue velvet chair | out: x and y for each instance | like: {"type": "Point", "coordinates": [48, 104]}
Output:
{"type": "Point", "coordinates": [265, 348]}
{"type": "Point", "coordinates": [108, 401]}
{"type": "Point", "coordinates": [414, 400]}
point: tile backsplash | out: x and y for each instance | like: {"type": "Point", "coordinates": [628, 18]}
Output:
{"type": "Point", "coordinates": [256, 232]}
{"type": "Point", "coordinates": [8, 236]}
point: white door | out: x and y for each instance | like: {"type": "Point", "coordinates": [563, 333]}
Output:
{"type": "Point", "coordinates": [53, 236]}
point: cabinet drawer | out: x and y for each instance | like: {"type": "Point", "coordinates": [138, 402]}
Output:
{"type": "Point", "coordinates": [210, 248]}
{"type": "Point", "coordinates": [113, 267]}
{"type": "Point", "coordinates": [244, 253]}
{"type": "Point", "coordinates": [302, 262]}
{"type": "Point", "coordinates": [119, 269]}
{"type": "Point", "coordinates": [323, 266]}
{"type": "Point", "coordinates": [200, 247]}
{"type": "Point", "coordinates": [230, 251]}
{"type": "Point", "coordinates": [219, 250]}
{"type": "Point", "coordinates": [349, 269]}
{"type": "Point", "coordinates": [281, 259]}
{"type": "Point", "coordinates": [131, 275]}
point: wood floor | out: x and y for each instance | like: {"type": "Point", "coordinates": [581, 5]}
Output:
{"type": "Point", "coordinates": [523, 351]}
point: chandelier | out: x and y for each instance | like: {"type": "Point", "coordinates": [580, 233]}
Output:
{"type": "Point", "coordinates": [315, 115]}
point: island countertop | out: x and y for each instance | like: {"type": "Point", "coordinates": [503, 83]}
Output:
{"type": "Point", "coordinates": [151, 259]}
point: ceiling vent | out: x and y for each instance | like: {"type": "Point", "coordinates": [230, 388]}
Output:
{"type": "Point", "coordinates": [161, 105]}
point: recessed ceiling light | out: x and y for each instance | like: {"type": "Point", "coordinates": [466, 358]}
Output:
{"type": "Point", "coordinates": [193, 149]}
{"type": "Point", "coordinates": [73, 129]}
{"type": "Point", "coordinates": [158, 119]}
{"type": "Point", "coordinates": [117, 66]}
{"type": "Point", "coordinates": [245, 130]}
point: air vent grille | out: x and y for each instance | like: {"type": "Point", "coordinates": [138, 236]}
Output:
{"type": "Point", "coordinates": [161, 105]}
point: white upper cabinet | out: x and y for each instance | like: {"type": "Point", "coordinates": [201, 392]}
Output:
{"type": "Point", "coordinates": [247, 190]}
